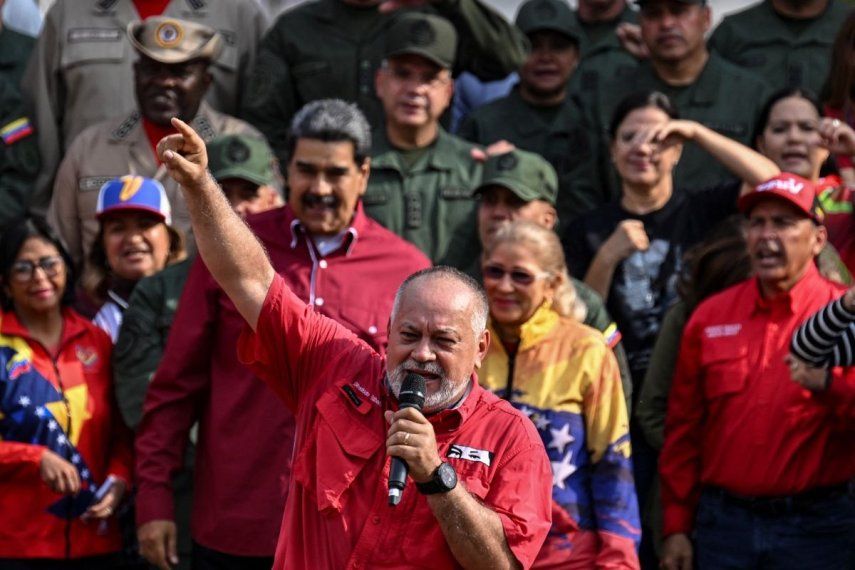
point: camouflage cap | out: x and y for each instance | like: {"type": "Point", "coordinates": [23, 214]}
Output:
{"type": "Point", "coordinates": [240, 156]}
{"type": "Point", "coordinates": [526, 174]}
{"type": "Point", "coordinates": [170, 40]}
{"type": "Point", "coordinates": [555, 15]}
{"type": "Point", "coordinates": [429, 36]}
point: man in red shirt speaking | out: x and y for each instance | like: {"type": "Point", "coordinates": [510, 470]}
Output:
{"type": "Point", "coordinates": [482, 479]}
{"type": "Point", "coordinates": [756, 465]}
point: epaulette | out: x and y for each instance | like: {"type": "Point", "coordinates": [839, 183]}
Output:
{"type": "Point", "coordinates": [126, 126]}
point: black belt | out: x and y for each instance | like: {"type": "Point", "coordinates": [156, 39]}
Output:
{"type": "Point", "coordinates": [779, 505]}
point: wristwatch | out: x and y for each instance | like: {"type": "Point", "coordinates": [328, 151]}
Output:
{"type": "Point", "coordinates": [443, 480]}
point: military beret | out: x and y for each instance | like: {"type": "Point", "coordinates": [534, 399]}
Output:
{"type": "Point", "coordinates": [240, 156]}
{"type": "Point", "coordinates": [429, 36]}
{"type": "Point", "coordinates": [526, 174]}
{"type": "Point", "coordinates": [555, 15]}
{"type": "Point", "coordinates": [170, 40]}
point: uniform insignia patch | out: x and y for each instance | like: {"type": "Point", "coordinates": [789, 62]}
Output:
{"type": "Point", "coordinates": [86, 355]}
{"type": "Point", "coordinates": [168, 34]}
{"type": "Point", "coordinates": [470, 454]}
{"type": "Point", "coordinates": [237, 152]}
{"type": "Point", "coordinates": [422, 33]}
{"type": "Point", "coordinates": [16, 130]}
{"type": "Point", "coordinates": [506, 162]}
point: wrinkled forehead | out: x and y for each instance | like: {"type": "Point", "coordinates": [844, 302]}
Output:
{"type": "Point", "coordinates": [436, 302]}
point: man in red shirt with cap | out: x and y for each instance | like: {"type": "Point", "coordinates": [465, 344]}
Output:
{"type": "Point", "coordinates": [481, 488]}
{"type": "Point", "coordinates": [756, 465]}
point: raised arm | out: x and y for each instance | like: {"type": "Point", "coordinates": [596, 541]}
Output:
{"type": "Point", "coordinates": [231, 252]}
{"type": "Point", "coordinates": [745, 163]}
{"type": "Point", "coordinates": [827, 338]}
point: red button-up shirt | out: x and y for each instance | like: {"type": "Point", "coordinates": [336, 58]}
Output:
{"type": "Point", "coordinates": [337, 514]}
{"type": "Point", "coordinates": [246, 436]}
{"type": "Point", "coordinates": [736, 419]}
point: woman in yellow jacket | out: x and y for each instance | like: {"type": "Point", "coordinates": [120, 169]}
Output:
{"type": "Point", "coordinates": [563, 376]}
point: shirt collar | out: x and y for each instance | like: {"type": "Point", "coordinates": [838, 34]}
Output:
{"type": "Point", "coordinates": [450, 419]}
{"type": "Point", "coordinates": [72, 326]}
{"type": "Point", "coordinates": [356, 227]}
{"type": "Point", "coordinates": [794, 301]}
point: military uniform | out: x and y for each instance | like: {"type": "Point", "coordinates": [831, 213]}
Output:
{"type": "Point", "coordinates": [603, 58]}
{"type": "Point", "coordinates": [81, 69]}
{"type": "Point", "coordinates": [114, 148]}
{"type": "Point", "coordinates": [724, 98]}
{"type": "Point", "coordinates": [431, 203]}
{"type": "Point", "coordinates": [784, 52]}
{"type": "Point", "coordinates": [19, 154]}
{"type": "Point", "coordinates": [329, 49]}
{"type": "Point", "coordinates": [561, 137]}
{"type": "Point", "coordinates": [15, 50]}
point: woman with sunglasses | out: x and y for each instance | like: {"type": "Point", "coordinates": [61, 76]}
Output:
{"type": "Point", "coordinates": [563, 376]}
{"type": "Point", "coordinates": [135, 239]}
{"type": "Point", "coordinates": [65, 458]}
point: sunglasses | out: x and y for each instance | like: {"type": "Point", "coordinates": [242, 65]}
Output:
{"type": "Point", "coordinates": [22, 271]}
{"type": "Point", "coordinates": [518, 276]}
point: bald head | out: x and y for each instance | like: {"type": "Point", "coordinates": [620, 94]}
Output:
{"type": "Point", "coordinates": [452, 288]}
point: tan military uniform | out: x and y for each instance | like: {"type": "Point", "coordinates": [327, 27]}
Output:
{"type": "Point", "coordinates": [81, 70]}
{"type": "Point", "coordinates": [114, 148]}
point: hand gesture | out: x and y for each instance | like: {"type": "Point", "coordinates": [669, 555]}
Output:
{"type": "Point", "coordinates": [676, 553]}
{"type": "Point", "coordinates": [807, 376]}
{"type": "Point", "coordinates": [158, 543]}
{"type": "Point", "coordinates": [627, 238]}
{"type": "Point", "coordinates": [837, 137]}
{"type": "Point", "coordinates": [849, 300]}
{"type": "Point", "coordinates": [411, 438]}
{"type": "Point", "coordinates": [107, 505]}
{"type": "Point", "coordinates": [184, 155]}
{"type": "Point", "coordinates": [630, 39]}
{"type": "Point", "coordinates": [667, 134]}
{"type": "Point", "coordinates": [59, 474]}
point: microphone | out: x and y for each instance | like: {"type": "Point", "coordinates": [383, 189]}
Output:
{"type": "Point", "coordinates": [412, 395]}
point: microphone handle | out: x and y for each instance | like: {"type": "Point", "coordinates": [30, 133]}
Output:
{"type": "Point", "coordinates": [398, 470]}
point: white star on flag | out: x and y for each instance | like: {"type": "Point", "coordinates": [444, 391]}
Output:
{"type": "Point", "coordinates": [60, 439]}
{"type": "Point", "coordinates": [52, 425]}
{"type": "Point", "coordinates": [40, 412]}
{"type": "Point", "coordinates": [24, 401]}
{"type": "Point", "coordinates": [85, 473]}
{"type": "Point", "coordinates": [75, 458]}
{"type": "Point", "coordinates": [560, 438]}
{"type": "Point", "coordinates": [541, 422]}
{"type": "Point", "coordinates": [561, 470]}
{"type": "Point", "coordinates": [527, 411]}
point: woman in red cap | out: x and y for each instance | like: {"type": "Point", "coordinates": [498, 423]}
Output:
{"type": "Point", "coordinates": [135, 239]}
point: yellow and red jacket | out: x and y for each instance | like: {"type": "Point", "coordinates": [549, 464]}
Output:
{"type": "Point", "coordinates": [565, 378]}
{"type": "Point", "coordinates": [62, 402]}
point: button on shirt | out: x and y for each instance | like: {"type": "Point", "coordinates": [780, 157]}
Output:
{"type": "Point", "coordinates": [334, 384]}
{"type": "Point", "coordinates": [200, 371]}
{"type": "Point", "coordinates": [735, 418]}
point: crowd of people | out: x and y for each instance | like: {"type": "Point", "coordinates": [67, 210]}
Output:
{"type": "Point", "coordinates": [588, 274]}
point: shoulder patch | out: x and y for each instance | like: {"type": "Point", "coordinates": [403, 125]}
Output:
{"type": "Point", "coordinates": [16, 130]}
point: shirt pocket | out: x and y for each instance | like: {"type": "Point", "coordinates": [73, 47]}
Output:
{"type": "Point", "coordinates": [725, 367]}
{"type": "Point", "coordinates": [346, 434]}
{"type": "Point", "coordinates": [93, 45]}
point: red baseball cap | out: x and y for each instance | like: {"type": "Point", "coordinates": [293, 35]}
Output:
{"type": "Point", "coordinates": [790, 188]}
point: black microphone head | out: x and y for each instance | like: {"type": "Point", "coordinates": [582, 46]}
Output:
{"type": "Point", "coordinates": [412, 393]}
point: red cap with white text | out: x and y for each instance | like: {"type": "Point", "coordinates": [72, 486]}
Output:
{"type": "Point", "coordinates": [790, 188]}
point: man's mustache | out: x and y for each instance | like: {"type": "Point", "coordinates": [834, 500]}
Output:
{"type": "Point", "coordinates": [314, 200]}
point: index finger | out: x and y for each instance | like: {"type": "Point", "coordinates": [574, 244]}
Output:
{"type": "Point", "coordinates": [411, 414]}
{"type": "Point", "coordinates": [192, 141]}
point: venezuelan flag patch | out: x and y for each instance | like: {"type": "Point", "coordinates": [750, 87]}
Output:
{"type": "Point", "coordinates": [16, 130]}
{"type": "Point", "coordinates": [612, 335]}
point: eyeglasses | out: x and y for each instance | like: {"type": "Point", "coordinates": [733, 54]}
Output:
{"type": "Point", "coordinates": [518, 276]}
{"type": "Point", "coordinates": [22, 271]}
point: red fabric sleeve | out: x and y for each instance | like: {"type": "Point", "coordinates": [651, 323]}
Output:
{"type": "Point", "coordinates": [293, 345]}
{"type": "Point", "coordinates": [173, 397]}
{"type": "Point", "coordinates": [525, 503]}
{"type": "Point", "coordinates": [680, 461]}
{"type": "Point", "coordinates": [20, 460]}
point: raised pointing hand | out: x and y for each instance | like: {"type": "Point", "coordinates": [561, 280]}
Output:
{"type": "Point", "coordinates": [184, 155]}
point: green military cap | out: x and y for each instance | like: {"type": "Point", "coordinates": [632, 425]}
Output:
{"type": "Point", "coordinates": [429, 36]}
{"type": "Point", "coordinates": [240, 156]}
{"type": "Point", "coordinates": [555, 15]}
{"type": "Point", "coordinates": [526, 174]}
{"type": "Point", "coordinates": [170, 40]}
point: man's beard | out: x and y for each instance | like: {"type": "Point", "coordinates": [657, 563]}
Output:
{"type": "Point", "coordinates": [440, 399]}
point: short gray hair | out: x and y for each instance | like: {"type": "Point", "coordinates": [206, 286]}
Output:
{"type": "Point", "coordinates": [481, 309]}
{"type": "Point", "coordinates": [331, 120]}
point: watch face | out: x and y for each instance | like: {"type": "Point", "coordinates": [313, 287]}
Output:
{"type": "Point", "coordinates": [447, 475]}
